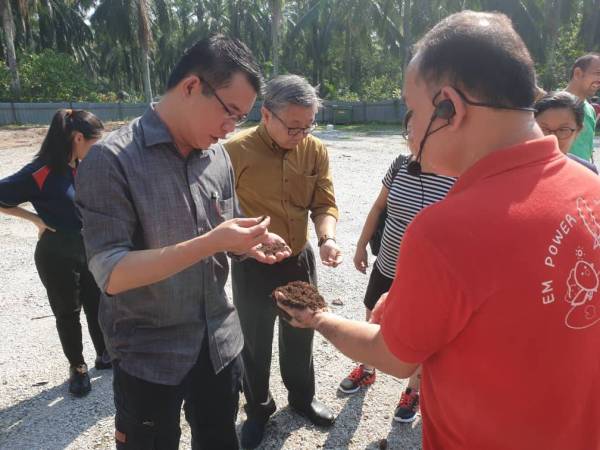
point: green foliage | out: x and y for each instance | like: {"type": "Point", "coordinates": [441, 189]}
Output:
{"type": "Point", "coordinates": [352, 49]}
{"type": "Point", "coordinates": [381, 88]}
{"type": "Point", "coordinates": [568, 49]}
{"type": "Point", "coordinates": [53, 76]}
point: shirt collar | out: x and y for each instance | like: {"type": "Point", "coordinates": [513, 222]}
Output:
{"type": "Point", "coordinates": [268, 140]}
{"type": "Point", "coordinates": [154, 130]}
{"type": "Point", "coordinates": [536, 151]}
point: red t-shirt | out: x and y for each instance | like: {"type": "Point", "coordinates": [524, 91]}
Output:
{"type": "Point", "coordinates": [496, 294]}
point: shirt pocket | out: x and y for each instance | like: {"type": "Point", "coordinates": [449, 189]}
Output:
{"type": "Point", "coordinates": [302, 189]}
{"type": "Point", "coordinates": [225, 209]}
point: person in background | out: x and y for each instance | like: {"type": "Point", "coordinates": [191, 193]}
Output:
{"type": "Point", "coordinates": [48, 184]}
{"type": "Point", "coordinates": [561, 113]}
{"type": "Point", "coordinates": [158, 225]}
{"type": "Point", "coordinates": [283, 171]}
{"type": "Point", "coordinates": [584, 83]}
{"type": "Point", "coordinates": [404, 195]}
{"type": "Point", "coordinates": [496, 293]}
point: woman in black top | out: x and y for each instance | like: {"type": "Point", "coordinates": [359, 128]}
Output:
{"type": "Point", "coordinates": [48, 183]}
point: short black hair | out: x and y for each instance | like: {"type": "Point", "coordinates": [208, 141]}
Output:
{"type": "Point", "coordinates": [561, 99]}
{"type": "Point", "coordinates": [216, 59]}
{"type": "Point", "coordinates": [583, 62]}
{"type": "Point", "coordinates": [481, 53]}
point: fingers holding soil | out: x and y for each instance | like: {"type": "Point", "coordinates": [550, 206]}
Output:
{"type": "Point", "coordinates": [273, 249]}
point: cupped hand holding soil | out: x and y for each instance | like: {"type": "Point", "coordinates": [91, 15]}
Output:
{"type": "Point", "coordinates": [272, 249]}
{"type": "Point", "coordinates": [300, 295]}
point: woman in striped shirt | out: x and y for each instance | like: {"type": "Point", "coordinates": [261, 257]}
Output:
{"type": "Point", "coordinates": [405, 196]}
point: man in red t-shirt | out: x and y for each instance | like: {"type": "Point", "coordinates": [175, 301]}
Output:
{"type": "Point", "coordinates": [497, 292]}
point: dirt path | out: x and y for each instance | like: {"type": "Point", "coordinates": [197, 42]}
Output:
{"type": "Point", "coordinates": [36, 411]}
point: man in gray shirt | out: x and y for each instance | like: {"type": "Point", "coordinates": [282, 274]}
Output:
{"type": "Point", "coordinates": [158, 217]}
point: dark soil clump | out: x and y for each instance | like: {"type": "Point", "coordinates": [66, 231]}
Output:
{"type": "Point", "coordinates": [271, 249]}
{"type": "Point", "coordinates": [300, 294]}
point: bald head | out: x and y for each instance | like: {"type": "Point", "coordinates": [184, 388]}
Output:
{"type": "Point", "coordinates": [481, 53]}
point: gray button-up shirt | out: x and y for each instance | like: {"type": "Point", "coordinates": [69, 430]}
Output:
{"type": "Point", "coordinates": [135, 192]}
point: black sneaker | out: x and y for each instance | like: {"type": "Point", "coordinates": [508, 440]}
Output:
{"type": "Point", "coordinates": [408, 406]}
{"type": "Point", "coordinates": [359, 376]}
{"type": "Point", "coordinates": [103, 361]}
{"type": "Point", "coordinates": [79, 381]}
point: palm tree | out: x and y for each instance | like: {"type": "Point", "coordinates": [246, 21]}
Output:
{"type": "Point", "coordinates": [276, 7]}
{"type": "Point", "coordinates": [128, 24]}
{"type": "Point", "coordinates": [145, 39]}
{"type": "Point", "coordinates": [8, 31]}
{"type": "Point", "coordinates": [590, 27]}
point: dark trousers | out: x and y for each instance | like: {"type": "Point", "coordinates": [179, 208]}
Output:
{"type": "Point", "coordinates": [252, 284]}
{"type": "Point", "coordinates": [147, 414]}
{"type": "Point", "coordinates": [62, 267]}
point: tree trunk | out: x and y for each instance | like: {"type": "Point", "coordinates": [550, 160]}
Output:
{"type": "Point", "coordinates": [407, 41]}
{"type": "Point", "coordinates": [590, 24]}
{"type": "Point", "coordinates": [348, 57]}
{"type": "Point", "coordinates": [146, 74]}
{"type": "Point", "coordinates": [234, 19]}
{"type": "Point", "coordinates": [145, 37]}
{"type": "Point", "coordinates": [9, 41]}
{"type": "Point", "coordinates": [551, 27]}
{"type": "Point", "coordinates": [46, 24]}
{"type": "Point", "coordinates": [276, 7]}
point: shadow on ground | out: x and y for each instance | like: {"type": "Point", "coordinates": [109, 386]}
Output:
{"type": "Point", "coordinates": [53, 419]}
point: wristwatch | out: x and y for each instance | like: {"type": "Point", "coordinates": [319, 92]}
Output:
{"type": "Point", "coordinates": [324, 238]}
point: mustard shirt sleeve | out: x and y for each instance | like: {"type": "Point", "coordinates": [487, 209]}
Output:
{"type": "Point", "coordinates": [232, 149]}
{"type": "Point", "coordinates": [323, 201]}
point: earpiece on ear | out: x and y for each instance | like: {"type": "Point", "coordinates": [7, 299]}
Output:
{"type": "Point", "coordinates": [445, 109]}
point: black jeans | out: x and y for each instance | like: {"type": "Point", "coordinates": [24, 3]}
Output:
{"type": "Point", "coordinates": [378, 285]}
{"type": "Point", "coordinates": [252, 284]}
{"type": "Point", "coordinates": [147, 414]}
{"type": "Point", "coordinates": [62, 267]}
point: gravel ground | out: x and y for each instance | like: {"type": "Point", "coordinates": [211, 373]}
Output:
{"type": "Point", "coordinates": [36, 410]}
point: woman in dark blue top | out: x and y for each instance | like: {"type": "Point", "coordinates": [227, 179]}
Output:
{"type": "Point", "coordinates": [48, 183]}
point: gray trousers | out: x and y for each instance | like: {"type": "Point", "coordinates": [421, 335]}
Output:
{"type": "Point", "coordinates": [252, 284]}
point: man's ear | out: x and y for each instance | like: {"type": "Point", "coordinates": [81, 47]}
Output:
{"type": "Point", "coordinates": [265, 114]}
{"type": "Point", "coordinates": [460, 108]}
{"type": "Point", "coordinates": [190, 84]}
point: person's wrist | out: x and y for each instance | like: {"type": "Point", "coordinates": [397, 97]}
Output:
{"type": "Point", "coordinates": [319, 319]}
{"type": "Point", "coordinates": [325, 238]}
{"type": "Point", "coordinates": [209, 242]}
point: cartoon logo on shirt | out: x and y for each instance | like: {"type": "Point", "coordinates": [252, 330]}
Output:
{"type": "Point", "coordinates": [583, 280]}
{"type": "Point", "coordinates": [589, 220]}
{"type": "Point", "coordinates": [582, 287]}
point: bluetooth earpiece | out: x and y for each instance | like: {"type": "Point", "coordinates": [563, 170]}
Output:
{"type": "Point", "coordinates": [445, 110]}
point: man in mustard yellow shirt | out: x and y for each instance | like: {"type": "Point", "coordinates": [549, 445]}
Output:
{"type": "Point", "coordinates": [282, 171]}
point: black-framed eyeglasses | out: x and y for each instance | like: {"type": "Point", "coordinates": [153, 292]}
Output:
{"type": "Point", "coordinates": [560, 133]}
{"type": "Point", "coordinates": [296, 131]}
{"type": "Point", "coordinates": [406, 123]}
{"type": "Point", "coordinates": [239, 119]}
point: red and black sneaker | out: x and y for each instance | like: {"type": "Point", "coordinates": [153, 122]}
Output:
{"type": "Point", "coordinates": [360, 376]}
{"type": "Point", "coordinates": [407, 408]}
